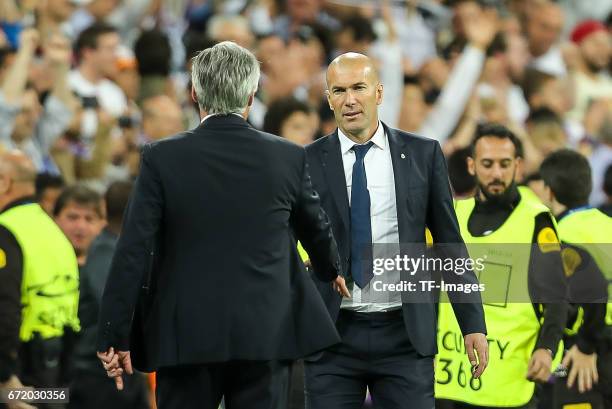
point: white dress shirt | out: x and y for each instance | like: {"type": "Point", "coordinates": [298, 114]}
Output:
{"type": "Point", "coordinates": [383, 216]}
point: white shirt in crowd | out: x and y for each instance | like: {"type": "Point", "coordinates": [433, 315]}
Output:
{"type": "Point", "coordinates": [110, 98]}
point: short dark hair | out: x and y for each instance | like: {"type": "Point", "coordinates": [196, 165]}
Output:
{"type": "Point", "coordinates": [194, 42]}
{"type": "Point", "coordinates": [280, 110]}
{"type": "Point", "coordinates": [116, 199]}
{"type": "Point", "coordinates": [81, 195]}
{"type": "Point", "coordinates": [544, 115]}
{"type": "Point", "coordinates": [607, 184]}
{"type": "Point", "coordinates": [360, 27]}
{"type": "Point", "coordinates": [532, 177]}
{"type": "Point", "coordinates": [89, 37]}
{"type": "Point", "coordinates": [153, 53]}
{"type": "Point", "coordinates": [46, 181]}
{"type": "Point", "coordinates": [497, 131]}
{"type": "Point", "coordinates": [568, 175]}
{"type": "Point", "coordinates": [460, 178]}
{"type": "Point", "coordinates": [533, 81]}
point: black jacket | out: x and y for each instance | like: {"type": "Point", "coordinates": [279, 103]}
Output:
{"type": "Point", "coordinates": [93, 278]}
{"type": "Point", "coordinates": [208, 248]}
{"type": "Point", "coordinates": [423, 199]}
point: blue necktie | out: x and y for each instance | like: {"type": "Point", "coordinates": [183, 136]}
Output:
{"type": "Point", "coordinates": [361, 227]}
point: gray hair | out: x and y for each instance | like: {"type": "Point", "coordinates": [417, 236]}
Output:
{"type": "Point", "coordinates": [224, 76]}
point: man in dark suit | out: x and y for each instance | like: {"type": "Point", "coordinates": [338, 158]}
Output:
{"type": "Point", "coordinates": [381, 186]}
{"type": "Point", "coordinates": [89, 387]}
{"type": "Point", "coordinates": [214, 216]}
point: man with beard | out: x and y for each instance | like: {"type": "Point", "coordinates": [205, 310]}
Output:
{"type": "Point", "coordinates": [590, 79]}
{"type": "Point", "coordinates": [524, 297]}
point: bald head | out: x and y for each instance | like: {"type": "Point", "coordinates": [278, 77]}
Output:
{"type": "Point", "coordinates": [354, 93]}
{"type": "Point", "coordinates": [351, 62]}
{"type": "Point", "coordinates": [17, 177]}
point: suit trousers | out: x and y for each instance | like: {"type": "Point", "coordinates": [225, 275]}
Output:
{"type": "Point", "coordinates": [243, 384]}
{"type": "Point", "coordinates": [375, 354]}
{"type": "Point", "coordinates": [94, 390]}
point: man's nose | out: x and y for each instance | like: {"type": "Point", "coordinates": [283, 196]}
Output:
{"type": "Point", "coordinates": [350, 98]}
{"type": "Point", "coordinates": [497, 171]}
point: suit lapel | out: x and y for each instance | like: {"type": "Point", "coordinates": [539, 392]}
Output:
{"type": "Point", "coordinates": [401, 158]}
{"type": "Point", "coordinates": [331, 161]}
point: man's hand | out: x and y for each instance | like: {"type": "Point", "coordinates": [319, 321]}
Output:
{"type": "Point", "coordinates": [539, 365]}
{"type": "Point", "coordinates": [340, 286]}
{"type": "Point", "coordinates": [583, 366]}
{"type": "Point", "coordinates": [115, 363]}
{"type": "Point", "coordinates": [479, 361]}
{"type": "Point", "coordinates": [481, 28]}
{"type": "Point", "coordinates": [29, 39]}
{"type": "Point", "coordinates": [14, 383]}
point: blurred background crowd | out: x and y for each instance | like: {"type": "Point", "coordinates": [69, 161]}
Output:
{"type": "Point", "coordinates": [85, 83]}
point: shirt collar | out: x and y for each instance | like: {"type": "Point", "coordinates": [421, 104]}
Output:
{"type": "Point", "coordinates": [208, 116]}
{"type": "Point", "coordinates": [379, 139]}
{"type": "Point", "coordinates": [567, 212]}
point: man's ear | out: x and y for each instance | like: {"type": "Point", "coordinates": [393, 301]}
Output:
{"type": "Point", "coordinates": [471, 166]}
{"type": "Point", "coordinates": [194, 97]}
{"type": "Point", "coordinates": [251, 100]}
{"type": "Point", "coordinates": [379, 94]}
{"type": "Point", "coordinates": [519, 171]}
{"type": "Point", "coordinates": [328, 95]}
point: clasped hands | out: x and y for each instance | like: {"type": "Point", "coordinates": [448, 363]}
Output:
{"type": "Point", "coordinates": [115, 363]}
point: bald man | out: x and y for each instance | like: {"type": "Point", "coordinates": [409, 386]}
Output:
{"type": "Point", "coordinates": [381, 185]}
{"type": "Point", "coordinates": [34, 255]}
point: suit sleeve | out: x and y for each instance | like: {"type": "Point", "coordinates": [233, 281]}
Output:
{"type": "Point", "coordinates": [141, 223]}
{"type": "Point", "coordinates": [588, 288]}
{"type": "Point", "coordinates": [547, 284]}
{"type": "Point", "coordinates": [312, 227]}
{"type": "Point", "coordinates": [11, 273]}
{"type": "Point", "coordinates": [442, 222]}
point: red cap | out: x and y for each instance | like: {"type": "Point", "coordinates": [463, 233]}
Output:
{"type": "Point", "coordinates": [585, 29]}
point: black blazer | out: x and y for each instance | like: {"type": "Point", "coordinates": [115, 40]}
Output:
{"type": "Point", "coordinates": [207, 263]}
{"type": "Point", "coordinates": [423, 199]}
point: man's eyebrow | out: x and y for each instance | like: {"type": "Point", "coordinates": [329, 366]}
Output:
{"type": "Point", "coordinates": [337, 87]}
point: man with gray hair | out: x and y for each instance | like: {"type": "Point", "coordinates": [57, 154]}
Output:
{"type": "Point", "coordinates": [206, 272]}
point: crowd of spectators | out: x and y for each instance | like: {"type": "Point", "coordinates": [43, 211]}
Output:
{"type": "Point", "coordinates": [85, 83]}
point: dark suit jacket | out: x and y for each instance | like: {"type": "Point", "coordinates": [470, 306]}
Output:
{"type": "Point", "coordinates": [423, 199]}
{"type": "Point", "coordinates": [93, 278]}
{"type": "Point", "coordinates": [213, 220]}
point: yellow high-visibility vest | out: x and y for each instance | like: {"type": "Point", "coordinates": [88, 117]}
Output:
{"type": "Point", "coordinates": [591, 230]}
{"type": "Point", "coordinates": [512, 327]}
{"type": "Point", "coordinates": [50, 283]}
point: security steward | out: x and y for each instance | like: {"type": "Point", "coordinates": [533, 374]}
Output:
{"type": "Point", "coordinates": [521, 269]}
{"type": "Point", "coordinates": [39, 278]}
{"type": "Point", "coordinates": [586, 236]}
